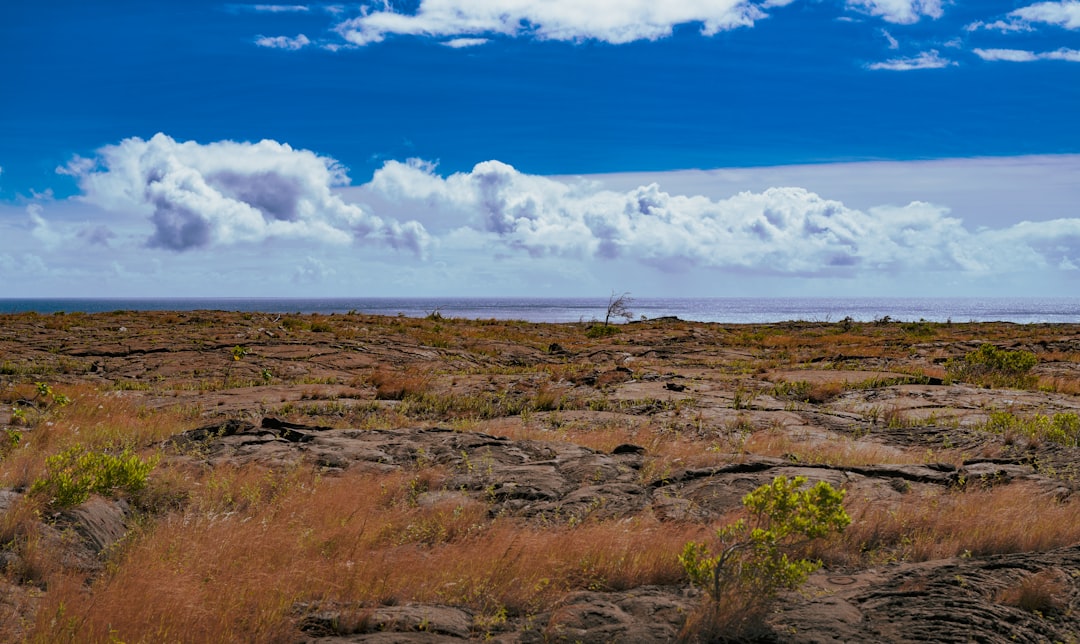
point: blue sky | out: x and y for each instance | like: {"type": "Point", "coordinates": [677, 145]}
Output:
{"type": "Point", "coordinates": [540, 147]}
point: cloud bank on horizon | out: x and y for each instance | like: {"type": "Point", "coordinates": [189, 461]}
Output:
{"type": "Point", "coordinates": [187, 197]}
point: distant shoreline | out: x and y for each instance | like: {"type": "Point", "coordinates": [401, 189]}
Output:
{"type": "Point", "coordinates": [734, 310]}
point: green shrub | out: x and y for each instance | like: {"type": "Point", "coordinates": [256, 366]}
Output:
{"type": "Point", "coordinates": [601, 331]}
{"type": "Point", "coordinates": [993, 367]}
{"type": "Point", "coordinates": [30, 411]}
{"type": "Point", "coordinates": [74, 474]}
{"type": "Point", "coordinates": [753, 562]}
{"type": "Point", "coordinates": [294, 324]}
{"type": "Point", "coordinates": [9, 440]}
{"type": "Point", "coordinates": [1063, 428]}
{"type": "Point", "coordinates": [920, 329]}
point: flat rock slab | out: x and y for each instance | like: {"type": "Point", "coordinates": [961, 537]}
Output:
{"type": "Point", "coordinates": [817, 376]}
{"type": "Point", "coordinates": [954, 600]}
{"type": "Point", "coordinates": [559, 481]}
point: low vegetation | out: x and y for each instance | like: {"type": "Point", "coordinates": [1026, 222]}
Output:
{"type": "Point", "coordinates": [221, 549]}
{"type": "Point", "coordinates": [754, 559]}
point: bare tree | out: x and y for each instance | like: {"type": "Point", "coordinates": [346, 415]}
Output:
{"type": "Point", "coordinates": [619, 307]}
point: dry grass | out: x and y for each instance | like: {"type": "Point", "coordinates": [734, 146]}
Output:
{"type": "Point", "coordinates": [1040, 593]}
{"type": "Point", "coordinates": [840, 451]}
{"type": "Point", "coordinates": [974, 522]}
{"type": "Point", "coordinates": [395, 385]}
{"type": "Point", "coordinates": [253, 543]}
{"type": "Point", "coordinates": [98, 420]}
{"type": "Point", "coordinates": [1057, 384]}
{"type": "Point", "coordinates": [229, 553]}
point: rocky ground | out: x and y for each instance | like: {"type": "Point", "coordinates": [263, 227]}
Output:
{"type": "Point", "coordinates": [551, 427]}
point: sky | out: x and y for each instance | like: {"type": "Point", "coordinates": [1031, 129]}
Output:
{"type": "Point", "coordinates": [548, 148]}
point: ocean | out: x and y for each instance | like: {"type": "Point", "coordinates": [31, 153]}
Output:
{"type": "Point", "coordinates": [728, 310]}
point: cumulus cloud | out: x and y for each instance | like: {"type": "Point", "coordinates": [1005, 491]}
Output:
{"type": "Point", "coordinates": [312, 270]}
{"type": "Point", "coordinates": [200, 195]}
{"type": "Point", "coordinates": [1024, 56]}
{"type": "Point", "coordinates": [40, 228]}
{"type": "Point", "coordinates": [781, 230]}
{"type": "Point", "coordinates": [926, 60]}
{"type": "Point", "coordinates": [901, 12]}
{"type": "Point", "coordinates": [1064, 14]}
{"type": "Point", "coordinates": [96, 235]}
{"type": "Point", "coordinates": [612, 21]}
{"type": "Point", "coordinates": [283, 42]}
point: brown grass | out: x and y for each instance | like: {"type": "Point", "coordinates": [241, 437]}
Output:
{"type": "Point", "coordinates": [395, 385]}
{"type": "Point", "coordinates": [99, 420]}
{"type": "Point", "coordinates": [823, 392]}
{"type": "Point", "coordinates": [1040, 593]}
{"type": "Point", "coordinates": [229, 553]}
{"type": "Point", "coordinates": [253, 543]}
{"type": "Point", "coordinates": [1070, 386]}
{"type": "Point", "coordinates": [840, 451]}
{"type": "Point", "coordinates": [948, 524]}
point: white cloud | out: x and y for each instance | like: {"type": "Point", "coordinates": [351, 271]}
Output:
{"type": "Point", "coordinates": [781, 230]}
{"type": "Point", "coordinates": [228, 193]}
{"type": "Point", "coordinates": [267, 8]}
{"type": "Point", "coordinates": [926, 60]}
{"type": "Point", "coordinates": [902, 12]}
{"type": "Point", "coordinates": [281, 8]}
{"type": "Point", "coordinates": [312, 270]}
{"type": "Point", "coordinates": [1064, 14]}
{"type": "Point", "coordinates": [1013, 55]}
{"type": "Point", "coordinates": [1024, 56]}
{"type": "Point", "coordinates": [40, 228]}
{"type": "Point", "coordinates": [283, 42]}
{"type": "Point", "coordinates": [461, 43]}
{"type": "Point", "coordinates": [612, 21]}
{"type": "Point", "coordinates": [1070, 55]}
{"type": "Point", "coordinates": [893, 42]}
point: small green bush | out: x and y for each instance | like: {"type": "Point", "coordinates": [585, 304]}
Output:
{"type": "Point", "coordinates": [31, 411]}
{"type": "Point", "coordinates": [74, 474]}
{"type": "Point", "coordinates": [993, 367]}
{"type": "Point", "coordinates": [1063, 428]}
{"type": "Point", "coordinates": [920, 329]}
{"type": "Point", "coordinates": [601, 331]}
{"type": "Point", "coordinates": [9, 440]}
{"type": "Point", "coordinates": [754, 563]}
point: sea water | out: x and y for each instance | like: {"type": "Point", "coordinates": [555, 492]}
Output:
{"type": "Point", "coordinates": [727, 310]}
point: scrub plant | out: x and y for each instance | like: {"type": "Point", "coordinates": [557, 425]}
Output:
{"type": "Point", "coordinates": [75, 473]}
{"type": "Point", "coordinates": [30, 411]}
{"type": "Point", "coordinates": [1061, 428]}
{"type": "Point", "coordinates": [238, 353]}
{"type": "Point", "coordinates": [755, 559]}
{"type": "Point", "coordinates": [990, 366]}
